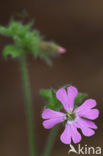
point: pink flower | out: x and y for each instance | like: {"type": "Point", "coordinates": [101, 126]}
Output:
{"type": "Point", "coordinates": [61, 50]}
{"type": "Point", "coordinates": [73, 117]}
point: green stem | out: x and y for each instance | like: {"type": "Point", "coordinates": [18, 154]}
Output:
{"type": "Point", "coordinates": [50, 141]}
{"type": "Point", "coordinates": [28, 102]}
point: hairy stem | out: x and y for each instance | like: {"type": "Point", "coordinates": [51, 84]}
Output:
{"type": "Point", "coordinates": [50, 141]}
{"type": "Point", "coordinates": [28, 106]}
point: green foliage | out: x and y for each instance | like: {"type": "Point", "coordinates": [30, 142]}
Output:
{"type": "Point", "coordinates": [27, 40]}
{"type": "Point", "coordinates": [52, 102]}
{"type": "Point", "coordinates": [22, 36]}
{"type": "Point", "coordinates": [12, 50]}
{"type": "Point", "coordinates": [79, 99]}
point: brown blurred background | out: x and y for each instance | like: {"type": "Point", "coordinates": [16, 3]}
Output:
{"type": "Point", "coordinates": [76, 25]}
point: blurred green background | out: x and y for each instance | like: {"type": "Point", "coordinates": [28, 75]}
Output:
{"type": "Point", "coordinates": [76, 25]}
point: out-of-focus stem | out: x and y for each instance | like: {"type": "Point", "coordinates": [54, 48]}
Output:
{"type": "Point", "coordinates": [50, 141]}
{"type": "Point", "coordinates": [28, 106]}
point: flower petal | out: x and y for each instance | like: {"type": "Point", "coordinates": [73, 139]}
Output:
{"type": "Point", "coordinates": [85, 110]}
{"type": "Point", "coordinates": [67, 98]}
{"type": "Point", "coordinates": [62, 96]}
{"type": "Point", "coordinates": [51, 114]}
{"type": "Point", "coordinates": [91, 124]}
{"type": "Point", "coordinates": [66, 135]}
{"type": "Point", "coordinates": [72, 93]}
{"type": "Point", "coordinates": [85, 127]}
{"type": "Point", "coordinates": [87, 105]}
{"type": "Point", "coordinates": [76, 137]}
{"type": "Point", "coordinates": [70, 132]}
{"type": "Point", "coordinates": [52, 122]}
{"type": "Point", "coordinates": [91, 114]}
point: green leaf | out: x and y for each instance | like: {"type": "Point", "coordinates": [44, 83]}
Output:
{"type": "Point", "coordinates": [12, 50]}
{"type": "Point", "coordinates": [79, 99]}
{"type": "Point", "coordinates": [52, 101]}
{"type": "Point", "coordinates": [46, 93]}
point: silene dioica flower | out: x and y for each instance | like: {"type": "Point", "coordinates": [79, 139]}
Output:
{"type": "Point", "coordinates": [74, 118]}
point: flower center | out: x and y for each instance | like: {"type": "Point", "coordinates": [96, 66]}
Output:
{"type": "Point", "coordinates": [70, 116]}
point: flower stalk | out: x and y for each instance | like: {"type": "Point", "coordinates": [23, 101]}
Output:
{"type": "Point", "coordinates": [50, 141]}
{"type": "Point", "coordinates": [28, 106]}
{"type": "Point", "coordinates": [30, 40]}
